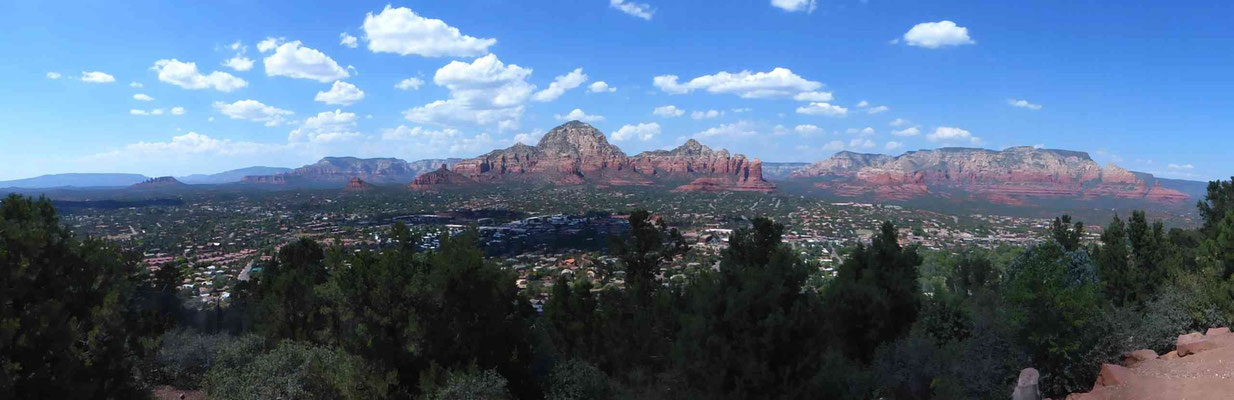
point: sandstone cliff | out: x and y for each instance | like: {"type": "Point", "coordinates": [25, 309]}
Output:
{"type": "Point", "coordinates": [440, 178]}
{"type": "Point", "coordinates": [161, 182]}
{"type": "Point", "coordinates": [1010, 176]}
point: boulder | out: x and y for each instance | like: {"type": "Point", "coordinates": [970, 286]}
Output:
{"type": "Point", "coordinates": [1225, 330]}
{"type": "Point", "coordinates": [1026, 387]}
{"type": "Point", "coordinates": [1113, 375]}
{"type": "Point", "coordinates": [1136, 357]}
{"type": "Point", "coordinates": [1170, 356]}
{"type": "Point", "coordinates": [1192, 343]}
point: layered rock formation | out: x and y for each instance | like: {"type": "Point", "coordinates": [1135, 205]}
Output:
{"type": "Point", "coordinates": [576, 153]}
{"type": "Point", "coordinates": [161, 182]}
{"type": "Point", "coordinates": [1198, 368]}
{"type": "Point", "coordinates": [442, 177]}
{"type": "Point", "coordinates": [1011, 176]}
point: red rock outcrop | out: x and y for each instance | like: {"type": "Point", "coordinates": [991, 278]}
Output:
{"type": "Point", "coordinates": [1011, 176]}
{"type": "Point", "coordinates": [576, 153]}
{"type": "Point", "coordinates": [440, 178]}
{"type": "Point", "coordinates": [1198, 369]}
{"type": "Point", "coordinates": [357, 185]}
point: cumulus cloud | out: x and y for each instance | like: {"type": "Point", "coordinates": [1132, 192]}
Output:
{"type": "Point", "coordinates": [96, 77]}
{"type": "Point", "coordinates": [601, 87]}
{"type": "Point", "coordinates": [293, 60]}
{"type": "Point", "coordinates": [808, 129]}
{"type": "Point", "coordinates": [185, 75]}
{"type": "Point", "coordinates": [668, 111]}
{"type": "Point", "coordinates": [239, 63]}
{"type": "Point", "coordinates": [485, 91]}
{"type": "Point", "coordinates": [861, 143]}
{"type": "Point", "coordinates": [136, 85]}
{"type": "Point", "coordinates": [341, 93]}
{"type": "Point", "coordinates": [325, 127]}
{"type": "Point", "coordinates": [560, 85]}
{"type": "Point", "coordinates": [909, 131]}
{"type": "Point", "coordinates": [807, 6]}
{"type": "Point", "coordinates": [189, 144]}
{"type": "Point", "coordinates": [640, 10]}
{"type": "Point", "coordinates": [402, 31]}
{"type": "Point", "coordinates": [579, 115]}
{"type": "Point", "coordinates": [819, 108]}
{"type": "Point", "coordinates": [863, 131]}
{"type": "Point", "coordinates": [178, 111]}
{"type": "Point", "coordinates": [1181, 166]}
{"type": "Point", "coordinates": [437, 142]}
{"type": "Point", "coordinates": [253, 110]}
{"type": "Point", "coordinates": [950, 134]}
{"type": "Point", "coordinates": [834, 145]}
{"type": "Point", "coordinates": [898, 122]}
{"type": "Point", "coordinates": [412, 83]}
{"type": "Point", "coordinates": [877, 109]}
{"type": "Point", "coordinates": [142, 97]}
{"type": "Point", "coordinates": [1023, 104]}
{"type": "Point", "coordinates": [737, 129]}
{"type": "Point", "coordinates": [893, 145]}
{"type": "Point", "coordinates": [933, 35]}
{"type": "Point", "coordinates": [779, 82]}
{"type": "Point", "coordinates": [347, 40]}
{"type": "Point", "coordinates": [53, 75]}
{"type": "Point", "coordinates": [814, 96]}
{"type": "Point", "coordinates": [709, 114]}
{"type": "Point", "coordinates": [644, 131]}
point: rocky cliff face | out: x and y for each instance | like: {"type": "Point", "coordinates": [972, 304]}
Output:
{"type": "Point", "coordinates": [158, 183]}
{"type": "Point", "coordinates": [337, 170]}
{"type": "Point", "coordinates": [1010, 176]}
{"type": "Point", "coordinates": [440, 178]}
{"type": "Point", "coordinates": [357, 185]}
{"type": "Point", "coordinates": [576, 153]}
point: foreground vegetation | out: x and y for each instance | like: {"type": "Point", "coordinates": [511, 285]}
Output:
{"type": "Point", "coordinates": [80, 319]}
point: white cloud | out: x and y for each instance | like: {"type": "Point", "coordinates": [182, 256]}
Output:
{"type": "Point", "coordinates": [734, 130]}
{"type": "Point", "coordinates": [268, 44]}
{"type": "Point", "coordinates": [601, 87]}
{"type": "Point", "coordinates": [412, 83]}
{"type": "Point", "coordinates": [191, 143]}
{"type": "Point", "coordinates": [877, 110]}
{"type": "Point", "coordinates": [560, 85]}
{"type": "Point", "coordinates": [239, 63]}
{"type": "Point", "coordinates": [292, 60]}
{"type": "Point", "coordinates": [53, 75]}
{"type": "Point", "coordinates": [325, 127]}
{"type": "Point", "coordinates": [819, 108]}
{"type": "Point", "coordinates": [644, 131]}
{"type": "Point", "coordinates": [814, 96]}
{"type": "Point", "coordinates": [795, 5]}
{"type": "Point", "coordinates": [136, 85]}
{"type": "Point", "coordinates": [138, 112]}
{"type": "Point", "coordinates": [578, 114]}
{"type": "Point", "coordinates": [898, 122]}
{"type": "Point", "coordinates": [347, 40]}
{"type": "Point", "coordinates": [341, 93]}
{"type": "Point", "coordinates": [1023, 104]}
{"type": "Point", "coordinates": [933, 35]}
{"type": "Point", "coordinates": [142, 97]}
{"type": "Point", "coordinates": [401, 31]}
{"type": "Point", "coordinates": [863, 104]}
{"type": "Point", "coordinates": [779, 82]}
{"type": "Point", "coordinates": [741, 109]}
{"type": "Point", "coordinates": [486, 91]}
{"type": "Point", "coordinates": [641, 10]}
{"type": "Point", "coordinates": [185, 75]}
{"type": "Point", "coordinates": [1183, 166]}
{"type": "Point", "coordinates": [97, 77]}
{"type": "Point", "coordinates": [861, 143]}
{"type": "Point", "coordinates": [947, 133]}
{"type": "Point", "coordinates": [864, 131]}
{"type": "Point", "coordinates": [253, 110]}
{"type": "Point", "coordinates": [441, 141]}
{"type": "Point", "coordinates": [834, 145]}
{"type": "Point", "coordinates": [668, 111]}
{"type": "Point", "coordinates": [894, 145]}
{"type": "Point", "coordinates": [909, 131]}
{"type": "Point", "coordinates": [178, 111]}
{"type": "Point", "coordinates": [709, 114]}
{"type": "Point", "coordinates": [808, 129]}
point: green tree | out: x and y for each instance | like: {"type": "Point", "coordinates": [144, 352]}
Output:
{"type": "Point", "coordinates": [65, 328]}
{"type": "Point", "coordinates": [289, 303]}
{"type": "Point", "coordinates": [1113, 260]}
{"type": "Point", "coordinates": [1065, 233]}
{"type": "Point", "coordinates": [749, 329]}
{"type": "Point", "coordinates": [1216, 204]}
{"type": "Point", "coordinates": [875, 294]}
{"type": "Point", "coordinates": [247, 369]}
{"type": "Point", "coordinates": [1147, 255]}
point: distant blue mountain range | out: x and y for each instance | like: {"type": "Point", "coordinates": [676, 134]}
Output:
{"type": "Point", "coordinates": [232, 176]}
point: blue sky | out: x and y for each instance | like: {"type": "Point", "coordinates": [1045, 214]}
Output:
{"type": "Point", "coordinates": [1145, 86]}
